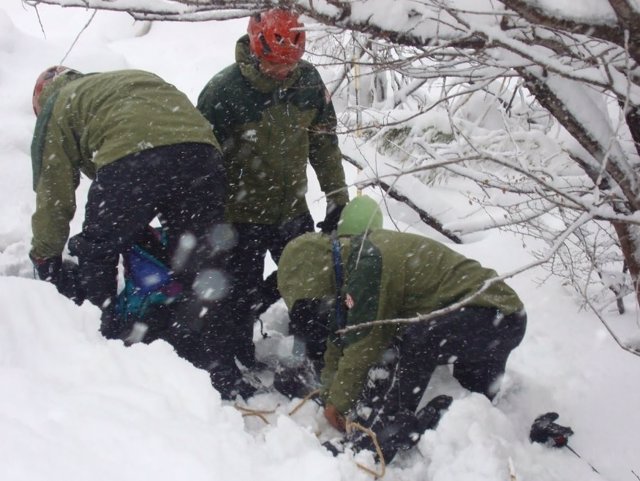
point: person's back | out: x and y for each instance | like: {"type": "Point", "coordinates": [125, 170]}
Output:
{"type": "Point", "coordinates": [150, 155]}
{"type": "Point", "coordinates": [114, 114]}
{"type": "Point", "coordinates": [400, 275]}
{"type": "Point", "coordinates": [88, 121]}
{"type": "Point", "coordinates": [420, 275]}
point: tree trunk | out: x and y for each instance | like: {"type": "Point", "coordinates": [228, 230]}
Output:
{"type": "Point", "coordinates": [629, 237]}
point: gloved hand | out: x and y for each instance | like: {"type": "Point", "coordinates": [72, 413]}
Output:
{"type": "Point", "coordinates": [545, 431]}
{"type": "Point", "coordinates": [331, 219]}
{"type": "Point", "coordinates": [63, 275]}
{"type": "Point", "coordinates": [113, 325]}
{"type": "Point", "coordinates": [228, 380]}
{"type": "Point", "coordinates": [334, 417]}
{"type": "Point", "coordinates": [296, 382]}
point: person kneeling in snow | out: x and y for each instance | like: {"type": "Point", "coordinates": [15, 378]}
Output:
{"type": "Point", "coordinates": [149, 152]}
{"type": "Point", "coordinates": [376, 376]}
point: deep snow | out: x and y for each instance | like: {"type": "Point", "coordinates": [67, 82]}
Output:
{"type": "Point", "coordinates": [74, 406]}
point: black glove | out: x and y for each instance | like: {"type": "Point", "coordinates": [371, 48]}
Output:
{"type": "Point", "coordinates": [331, 219]}
{"type": "Point", "coordinates": [113, 325]}
{"type": "Point", "coordinates": [48, 269]}
{"type": "Point", "coordinates": [227, 379]}
{"type": "Point", "coordinates": [545, 431]}
{"type": "Point", "coordinates": [62, 274]}
{"type": "Point", "coordinates": [296, 382]}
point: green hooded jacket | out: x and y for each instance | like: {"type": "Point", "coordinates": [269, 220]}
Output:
{"type": "Point", "coordinates": [89, 121]}
{"type": "Point", "coordinates": [387, 275]}
{"type": "Point", "coordinates": [268, 130]}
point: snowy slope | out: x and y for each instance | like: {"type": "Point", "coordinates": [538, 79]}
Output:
{"type": "Point", "coordinates": [74, 406]}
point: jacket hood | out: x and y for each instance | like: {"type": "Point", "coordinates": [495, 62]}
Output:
{"type": "Point", "coordinates": [248, 65]}
{"type": "Point", "coordinates": [360, 215]}
{"type": "Point", "coordinates": [305, 269]}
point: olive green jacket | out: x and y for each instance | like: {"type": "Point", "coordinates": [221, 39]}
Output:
{"type": "Point", "coordinates": [268, 130]}
{"type": "Point", "coordinates": [94, 120]}
{"type": "Point", "coordinates": [387, 275]}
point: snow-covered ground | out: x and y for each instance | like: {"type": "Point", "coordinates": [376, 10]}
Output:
{"type": "Point", "coordinates": [74, 406]}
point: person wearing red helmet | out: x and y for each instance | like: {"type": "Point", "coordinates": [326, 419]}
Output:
{"type": "Point", "coordinates": [45, 78]}
{"type": "Point", "coordinates": [277, 39]}
{"type": "Point", "coordinates": [272, 114]}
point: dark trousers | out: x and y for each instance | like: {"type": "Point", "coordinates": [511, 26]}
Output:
{"type": "Point", "coordinates": [231, 334]}
{"type": "Point", "coordinates": [476, 341]}
{"type": "Point", "coordinates": [183, 185]}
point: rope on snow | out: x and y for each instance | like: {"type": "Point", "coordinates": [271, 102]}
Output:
{"type": "Point", "coordinates": [246, 412]}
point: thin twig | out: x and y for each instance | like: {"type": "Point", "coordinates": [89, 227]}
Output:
{"type": "Point", "coordinates": [35, 7]}
{"type": "Point", "coordinates": [392, 192]}
{"type": "Point", "coordinates": [77, 38]}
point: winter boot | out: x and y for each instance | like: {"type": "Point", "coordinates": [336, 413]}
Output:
{"type": "Point", "coordinates": [400, 431]}
{"type": "Point", "coordinates": [397, 432]}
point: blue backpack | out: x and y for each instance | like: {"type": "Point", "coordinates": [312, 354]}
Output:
{"type": "Point", "coordinates": [148, 280]}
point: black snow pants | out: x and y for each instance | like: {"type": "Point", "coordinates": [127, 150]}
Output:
{"type": "Point", "coordinates": [475, 341]}
{"type": "Point", "coordinates": [231, 334]}
{"type": "Point", "coordinates": [184, 185]}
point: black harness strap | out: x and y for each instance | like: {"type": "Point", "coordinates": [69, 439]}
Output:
{"type": "Point", "coordinates": [341, 318]}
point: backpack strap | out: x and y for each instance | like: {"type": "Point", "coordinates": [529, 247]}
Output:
{"type": "Point", "coordinates": [341, 318]}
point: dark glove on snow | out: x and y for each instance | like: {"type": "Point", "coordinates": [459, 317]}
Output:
{"type": "Point", "coordinates": [330, 222]}
{"type": "Point", "coordinates": [545, 431]}
{"type": "Point", "coordinates": [62, 274]}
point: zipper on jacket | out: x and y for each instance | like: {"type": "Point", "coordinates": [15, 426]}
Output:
{"type": "Point", "coordinates": [278, 97]}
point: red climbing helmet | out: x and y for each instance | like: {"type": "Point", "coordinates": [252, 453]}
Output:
{"type": "Point", "coordinates": [277, 36]}
{"type": "Point", "coordinates": [45, 78]}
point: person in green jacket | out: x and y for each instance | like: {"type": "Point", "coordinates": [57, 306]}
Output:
{"type": "Point", "coordinates": [149, 153]}
{"type": "Point", "coordinates": [272, 115]}
{"type": "Point", "coordinates": [378, 375]}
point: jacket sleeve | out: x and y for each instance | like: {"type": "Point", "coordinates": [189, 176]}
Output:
{"type": "Point", "coordinates": [364, 348]}
{"type": "Point", "coordinates": [351, 373]}
{"type": "Point", "coordinates": [324, 152]}
{"type": "Point", "coordinates": [55, 192]}
{"type": "Point", "coordinates": [331, 359]}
